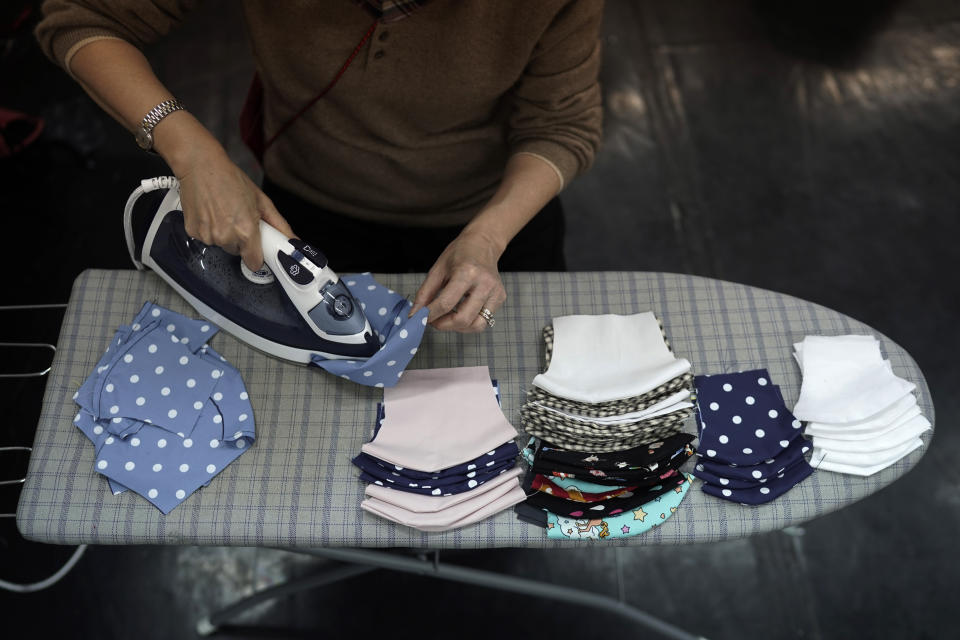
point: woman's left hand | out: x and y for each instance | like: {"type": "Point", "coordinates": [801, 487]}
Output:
{"type": "Point", "coordinates": [463, 281]}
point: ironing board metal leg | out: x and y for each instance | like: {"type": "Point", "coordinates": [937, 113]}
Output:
{"type": "Point", "coordinates": [385, 560]}
{"type": "Point", "coordinates": [210, 624]}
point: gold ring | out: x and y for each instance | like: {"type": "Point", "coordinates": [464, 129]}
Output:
{"type": "Point", "coordinates": [487, 315]}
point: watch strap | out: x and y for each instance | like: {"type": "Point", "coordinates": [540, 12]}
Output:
{"type": "Point", "coordinates": [159, 112]}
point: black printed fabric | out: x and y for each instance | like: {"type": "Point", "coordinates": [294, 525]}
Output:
{"type": "Point", "coordinates": [638, 458]}
{"type": "Point", "coordinates": [645, 475]}
{"type": "Point", "coordinates": [609, 507]}
{"type": "Point", "coordinates": [531, 515]}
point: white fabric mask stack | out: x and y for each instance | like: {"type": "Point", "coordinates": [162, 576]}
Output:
{"type": "Point", "coordinates": [862, 416]}
{"type": "Point", "coordinates": [608, 357]}
{"type": "Point", "coordinates": [612, 383]}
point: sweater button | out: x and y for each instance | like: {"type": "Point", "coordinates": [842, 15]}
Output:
{"type": "Point", "coordinates": [383, 36]}
{"type": "Point", "coordinates": [379, 54]}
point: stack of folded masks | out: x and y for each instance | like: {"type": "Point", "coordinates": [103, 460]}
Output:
{"type": "Point", "coordinates": [574, 494]}
{"type": "Point", "coordinates": [443, 454]}
{"type": "Point", "coordinates": [751, 447]}
{"type": "Point", "coordinates": [611, 383]}
{"type": "Point", "coordinates": [164, 411]}
{"type": "Point", "coordinates": [863, 417]}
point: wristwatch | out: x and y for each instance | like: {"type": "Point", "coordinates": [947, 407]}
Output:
{"type": "Point", "coordinates": [144, 132]}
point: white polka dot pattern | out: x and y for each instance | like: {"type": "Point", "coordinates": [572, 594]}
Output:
{"type": "Point", "coordinates": [759, 442]}
{"type": "Point", "coordinates": [397, 334]}
{"type": "Point", "coordinates": [179, 410]}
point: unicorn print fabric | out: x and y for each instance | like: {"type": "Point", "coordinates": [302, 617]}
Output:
{"type": "Point", "coordinates": [630, 523]}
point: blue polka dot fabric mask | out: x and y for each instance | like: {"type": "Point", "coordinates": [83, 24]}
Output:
{"type": "Point", "coordinates": [506, 452]}
{"type": "Point", "coordinates": [164, 411]}
{"type": "Point", "coordinates": [760, 493]}
{"type": "Point", "coordinates": [399, 335]}
{"type": "Point", "coordinates": [762, 471]}
{"type": "Point", "coordinates": [751, 447]}
{"type": "Point", "coordinates": [742, 418]}
{"type": "Point", "coordinates": [446, 486]}
{"type": "Point", "coordinates": [156, 382]}
{"type": "Point", "coordinates": [745, 477]}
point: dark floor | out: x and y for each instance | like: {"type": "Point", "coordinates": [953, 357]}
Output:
{"type": "Point", "coordinates": [813, 150]}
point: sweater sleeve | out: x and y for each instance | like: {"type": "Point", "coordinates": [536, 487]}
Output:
{"type": "Point", "coordinates": [557, 114]}
{"type": "Point", "coordinates": [68, 25]}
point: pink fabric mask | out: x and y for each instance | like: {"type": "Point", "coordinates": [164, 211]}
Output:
{"type": "Point", "coordinates": [461, 514]}
{"type": "Point", "coordinates": [417, 503]}
{"type": "Point", "coordinates": [438, 418]}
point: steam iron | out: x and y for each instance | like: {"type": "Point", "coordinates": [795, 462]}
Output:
{"type": "Point", "coordinates": [295, 307]}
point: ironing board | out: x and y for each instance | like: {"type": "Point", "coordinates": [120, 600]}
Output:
{"type": "Point", "coordinates": [296, 487]}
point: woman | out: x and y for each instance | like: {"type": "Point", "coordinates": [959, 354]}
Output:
{"type": "Point", "coordinates": [450, 127]}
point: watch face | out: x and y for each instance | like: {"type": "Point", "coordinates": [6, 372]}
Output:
{"type": "Point", "coordinates": [144, 138]}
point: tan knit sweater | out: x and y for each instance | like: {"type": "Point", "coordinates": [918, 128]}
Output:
{"type": "Point", "coordinates": [419, 129]}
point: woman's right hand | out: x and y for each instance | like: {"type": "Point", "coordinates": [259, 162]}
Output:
{"type": "Point", "coordinates": [222, 206]}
